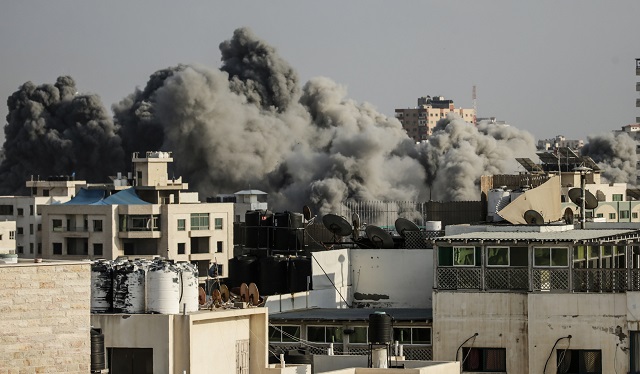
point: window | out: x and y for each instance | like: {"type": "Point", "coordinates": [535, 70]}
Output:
{"type": "Point", "coordinates": [634, 351]}
{"type": "Point", "coordinates": [19, 230]}
{"type": "Point", "coordinates": [616, 197]}
{"type": "Point", "coordinates": [30, 210]}
{"type": "Point", "coordinates": [31, 229]}
{"type": "Point", "coordinates": [57, 248]}
{"type": "Point", "coordinates": [612, 216]}
{"type": "Point", "coordinates": [97, 249]}
{"type": "Point", "coordinates": [484, 359]}
{"type": "Point", "coordinates": [56, 224]}
{"type": "Point", "coordinates": [220, 270]}
{"type": "Point", "coordinates": [182, 224]}
{"type": "Point", "coordinates": [130, 360]}
{"type": "Point", "coordinates": [634, 215]}
{"type": "Point", "coordinates": [181, 248]}
{"type": "Point", "coordinates": [550, 257]}
{"type": "Point", "coordinates": [45, 192]}
{"type": "Point", "coordinates": [412, 335]}
{"type": "Point", "coordinates": [324, 334]}
{"type": "Point", "coordinates": [219, 249]}
{"type": "Point", "coordinates": [579, 361]}
{"type": "Point", "coordinates": [97, 225]}
{"type": "Point", "coordinates": [39, 227]}
{"type": "Point", "coordinates": [218, 223]}
{"type": "Point", "coordinates": [20, 212]}
{"type": "Point", "coordinates": [20, 249]}
{"type": "Point", "coordinates": [12, 235]}
{"type": "Point", "coordinates": [31, 248]}
{"type": "Point", "coordinates": [284, 333]}
{"type": "Point", "coordinates": [199, 221]}
{"type": "Point", "coordinates": [6, 210]}
{"type": "Point", "coordinates": [465, 256]}
{"type": "Point", "coordinates": [39, 248]}
{"type": "Point", "coordinates": [599, 215]}
{"type": "Point", "coordinates": [624, 214]}
{"type": "Point", "coordinates": [507, 256]}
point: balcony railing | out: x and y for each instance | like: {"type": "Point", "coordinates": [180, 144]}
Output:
{"type": "Point", "coordinates": [411, 351]}
{"type": "Point", "coordinates": [537, 279]}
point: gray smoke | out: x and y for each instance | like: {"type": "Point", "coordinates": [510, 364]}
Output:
{"type": "Point", "coordinates": [52, 130]}
{"type": "Point", "coordinates": [457, 155]}
{"type": "Point", "coordinates": [616, 156]}
{"type": "Point", "coordinates": [249, 124]}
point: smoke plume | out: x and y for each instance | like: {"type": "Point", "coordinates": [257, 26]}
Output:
{"type": "Point", "coordinates": [616, 156]}
{"type": "Point", "coordinates": [51, 130]}
{"type": "Point", "coordinates": [251, 124]}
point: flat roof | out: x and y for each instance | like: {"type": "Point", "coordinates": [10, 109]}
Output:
{"type": "Point", "coordinates": [353, 314]}
{"type": "Point", "coordinates": [569, 235]}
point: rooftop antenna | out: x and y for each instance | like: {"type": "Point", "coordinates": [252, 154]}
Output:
{"type": "Point", "coordinates": [587, 201]}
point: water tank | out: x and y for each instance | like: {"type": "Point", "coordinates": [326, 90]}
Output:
{"type": "Point", "coordinates": [97, 351]}
{"type": "Point", "coordinates": [299, 272]}
{"type": "Point", "coordinates": [380, 328]}
{"type": "Point", "coordinates": [8, 258]}
{"type": "Point", "coordinates": [259, 229]}
{"type": "Point", "coordinates": [273, 275]}
{"type": "Point", "coordinates": [101, 286]}
{"type": "Point", "coordinates": [189, 284]}
{"type": "Point", "coordinates": [129, 287]}
{"type": "Point", "coordinates": [163, 288]}
{"type": "Point", "coordinates": [433, 225]}
{"type": "Point", "coordinates": [288, 231]}
{"type": "Point", "coordinates": [243, 269]}
{"type": "Point", "coordinates": [498, 198]}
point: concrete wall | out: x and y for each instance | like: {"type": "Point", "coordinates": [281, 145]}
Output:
{"type": "Point", "coordinates": [500, 319]}
{"type": "Point", "coordinates": [44, 317]}
{"type": "Point", "coordinates": [395, 278]}
{"type": "Point", "coordinates": [595, 321]}
{"type": "Point", "coordinates": [411, 367]}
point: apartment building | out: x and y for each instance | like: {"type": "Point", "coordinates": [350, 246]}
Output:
{"type": "Point", "coordinates": [419, 122]}
{"type": "Point", "coordinates": [144, 215]}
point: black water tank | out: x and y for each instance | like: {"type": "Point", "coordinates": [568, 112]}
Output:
{"type": "Point", "coordinates": [379, 328]}
{"type": "Point", "coordinates": [259, 229]}
{"type": "Point", "coordinates": [273, 275]}
{"type": "Point", "coordinates": [299, 271]}
{"type": "Point", "coordinates": [288, 231]}
{"type": "Point", "coordinates": [242, 269]}
{"type": "Point", "coordinates": [97, 351]}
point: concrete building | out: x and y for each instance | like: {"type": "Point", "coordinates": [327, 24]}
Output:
{"type": "Point", "coordinates": [44, 317]}
{"type": "Point", "coordinates": [158, 216]}
{"type": "Point", "coordinates": [559, 141]}
{"type": "Point", "coordinates": [8, 237]}
{"type": "Point", "coordinates": [420, 121]}
{"type": "Point", "coordinates": [23, 210]}
{"type": "Point", "coordinates": [538, 299]}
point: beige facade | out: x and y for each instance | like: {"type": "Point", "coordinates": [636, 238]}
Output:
{"type": "Point", "coordinates": [218, 341]}
{"type": "Point", "coordinates": [419, 122]}
{"type": "Point", "coordinates": [44, 317]}
{"type": "Point", "coordinates": [163, 219]}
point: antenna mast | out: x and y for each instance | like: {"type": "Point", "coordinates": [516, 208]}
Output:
{"type": "Point", "coordinates": [475, 103]}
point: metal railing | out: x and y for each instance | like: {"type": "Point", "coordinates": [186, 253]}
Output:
{"type": "Point", "coordinates": [411, 351]}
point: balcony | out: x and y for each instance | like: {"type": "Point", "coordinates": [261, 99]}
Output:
{"type": "Point", "coordinates": [525, 279]}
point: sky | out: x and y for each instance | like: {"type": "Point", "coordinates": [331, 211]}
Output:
{"type": "Point", "coordinates": [547, 67]}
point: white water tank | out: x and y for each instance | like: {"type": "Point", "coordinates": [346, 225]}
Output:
{"type": "Point", "coordinates": [101, 286]}
{"type": "Point", "coordinates": [498, 198]}
{"type": "Point", "coordinates": [433, 225]}
{"type": "Point", "coordinates": [129, 281]}
{"type": "Point", "coordinates": [163, 288]}
{"type": "Point", "coordinates": [189, 284]}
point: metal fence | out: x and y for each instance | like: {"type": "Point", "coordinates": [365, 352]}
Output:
{"type": "Point", "coordinates": [411, 352]}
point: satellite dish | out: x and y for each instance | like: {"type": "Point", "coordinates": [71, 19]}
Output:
{"type": "Point", "coordinates": [213, 271]}
{"type": "Point", "coordinates": [575, 195]}
{"type": "Point", "coordinates": [533, 217]}
{"type": "Point", "coordinates": [336, 224]}
{"type": "Point", "coordinates": [568, 216]}
{"type": "Point", "coordinates": [403, 224]}
{"type": "Point", "coordinates": [379, 237]}
{"type": "Point", "coordinates": [254, 296]}
{"type": "Point", "coordinates": [244, 293]}
{"type": "Point", "coordinates": [216, 297]}
{"type": "Point", "coordinates": [202, 296]}
{"type": "Point", "coordinates": [306, 212]}
{"type": "Point", "coordinates": [224, 293]}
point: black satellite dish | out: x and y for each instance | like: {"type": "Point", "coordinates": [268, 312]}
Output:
{"type": "Point", "coordinates": [403, 225]}
{"type": "Point", "coordinates": [590, 201]}
{"type": "Point", "coordinates": [379, 237]}
{"type": "Point", "coordinates": [306, 212]}
{"type": "Point", "coordinates": [532, 217]}
{"type": "Point", "coordinates": [338, 225]}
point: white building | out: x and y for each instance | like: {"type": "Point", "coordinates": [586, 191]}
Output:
{"type": "Point", "coordinates": [156, 217]}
